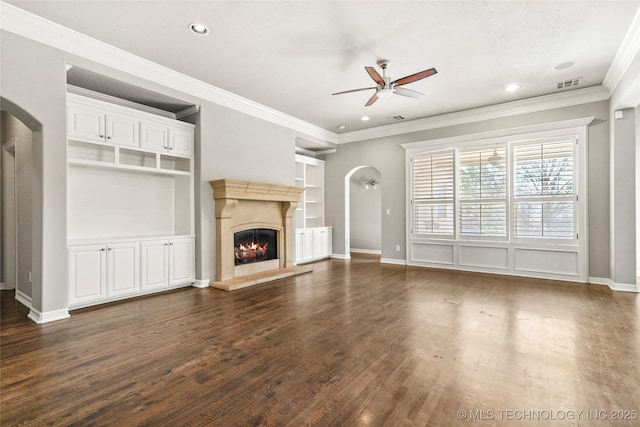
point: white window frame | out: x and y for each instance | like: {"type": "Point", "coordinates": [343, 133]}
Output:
{"type": "Point", "coordinates": [553, 258]}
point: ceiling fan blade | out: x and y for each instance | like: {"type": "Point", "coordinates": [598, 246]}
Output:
{"type": "Point", "coordinates": [371, 100]}
{"type": "Point", "coordinates": [375, 75]}
{"type": "Point", "coordinates": [354, 90]}
{"type": "Point", "coordinates": [407, 92]}
{"type": "Point", "coordinates": [415, 77]}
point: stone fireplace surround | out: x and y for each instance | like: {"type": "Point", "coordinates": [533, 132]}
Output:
{"type": "Point", "coordinates": [242, 205]}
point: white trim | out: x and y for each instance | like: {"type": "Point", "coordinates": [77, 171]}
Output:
{"type": "Point", "coordinates": [507, 109]}
{"type": "Point", "coordinates": [629, 48]}
{"type": "Point", "coordinates": [187, 112]}
{"type": "Point", "coordinates": [23, 298]}
{"type": "Point", "coordinates": [543, 127]}
{"type": "Point", "coordinates": [623, 287]}
{"type": "Point", "coordinates": [49, 316]}
{"type": "Point", "coordinates": [366, 251]}
{"type": "Point", "coordinates": [201, 283]}
{"type": "Point", "coordinates": [340, 256]}
{"type": "Point", "coordinates": [604, 281]}
{"type": "Point", "coordinates": [393, 261]}
{"type": "Point", "coordinates": [26, 24]}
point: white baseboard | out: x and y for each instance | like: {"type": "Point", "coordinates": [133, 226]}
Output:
{"type": "Point", "coordinates": [341, 256]}
{"type": "Point", "coordinates": [201, 283]}
{"type": "Point", "coordinates": [49, 316]}
{"type": "Point", "coordinates": [23, 299]}
{"type": "Point", "coordinates": [621, 287]}
{"type": "Point", "coordinates": [393, 261]}
{"type": "Point", "coordinates": [366, 251]}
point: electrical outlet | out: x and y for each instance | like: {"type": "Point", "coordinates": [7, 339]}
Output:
{"type": "Point", "coordinates": [397, 248]}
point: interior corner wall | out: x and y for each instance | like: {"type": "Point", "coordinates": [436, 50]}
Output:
{"type": "Point", "coordinates": [34, 87]}
{"type": "Point", "coordinates": [386, 155]}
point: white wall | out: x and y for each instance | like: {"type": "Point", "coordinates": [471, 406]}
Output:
{"type": "Point", "coordinates": [365, 210]}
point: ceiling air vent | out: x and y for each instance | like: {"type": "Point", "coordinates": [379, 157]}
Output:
{"type": "Point", "coordinates": [569, 83]}
{"type": "Point", "coordinates": [398, 118]}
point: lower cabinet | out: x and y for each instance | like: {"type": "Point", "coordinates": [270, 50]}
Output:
{"type": "Point", "coordinates": [106, 272]}
{"type": "Point", "coordinates": [313, 244]}
{"type": "Point", "coordinates": [167, 263]}
{"type": "Point", "coordinates": [97, 272]}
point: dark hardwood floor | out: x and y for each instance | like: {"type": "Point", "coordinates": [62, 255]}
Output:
{"type": "Point", "coordinates": [353, 343]}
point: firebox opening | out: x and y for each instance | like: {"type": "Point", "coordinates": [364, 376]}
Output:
{"type": "Point", "coordinates": [255, 245]}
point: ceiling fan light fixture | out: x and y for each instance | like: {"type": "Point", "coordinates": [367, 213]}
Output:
{"type": "Point", "coordinates": [384, 92]}
{"type": "Point", "coordinates": [364, 118]}
{"type": "Point", "coordinates": [512, 87]}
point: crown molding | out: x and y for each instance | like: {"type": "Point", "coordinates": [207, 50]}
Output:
{"type": "Point", "coordinates": [628, 50]}
{"type": "Point", "coordinates": [507, 109]}
{"type": "Point", "coordinates": [28, 25]}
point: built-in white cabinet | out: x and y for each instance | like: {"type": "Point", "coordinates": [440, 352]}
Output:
{"type": "Point", "coordinates": [130, 202]}
{"type": "Point", "coordinates": [167, 263]}
{"type": "Point", "coordinates": [95, 124]}
{"type": "Point", "coordinates": [99, 271]}
{"type": "Point", "coordinates": [313, 239]}
{"type": "Point", "coordinates": [313, 244]}
{"type": "Point", "coordinates": [167, 138]}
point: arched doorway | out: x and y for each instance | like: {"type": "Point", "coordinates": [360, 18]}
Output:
{"type": "Point", "coordinates": [362, 186]}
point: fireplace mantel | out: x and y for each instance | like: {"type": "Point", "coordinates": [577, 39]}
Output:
{"type": "Point", "coordinates": [243, 205]}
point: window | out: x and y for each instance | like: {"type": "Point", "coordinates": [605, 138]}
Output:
{"type": "Point", "coordinates": [433, 194]}
{"type": "Point", "coordinates": [543, 189]}
{"type": "Point", "coordinates": [482, 193]}
{"type": "Point", "coordinates": [479, 192]}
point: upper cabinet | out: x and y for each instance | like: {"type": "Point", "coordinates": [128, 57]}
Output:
{"type": "Point", "coordinates": [91, 120]}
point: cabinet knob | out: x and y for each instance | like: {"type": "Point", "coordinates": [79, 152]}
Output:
{"type": "Point", "coordinates": [102, 250]}
{"type": "Point", "coordinates": [170, 244]}
{"type": "Point", "coordinates": [101, 136]}
{"type": "Point", "coordinates": [108, 137]}
{"type": "Point", "coordinates": [108, 249]}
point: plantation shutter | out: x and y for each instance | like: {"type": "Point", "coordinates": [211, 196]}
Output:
{"type": "Point", "coordinates": [432, 193]}
{"type": "Point", "coordinates": [482, 180]}
{"type": "Point", "coordinates": [544, 190]}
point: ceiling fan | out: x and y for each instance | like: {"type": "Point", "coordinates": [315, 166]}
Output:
{"type": "Point", "coordinates": [386, 87]}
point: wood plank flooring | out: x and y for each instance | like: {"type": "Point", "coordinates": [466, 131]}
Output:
{"type": "Point", "coordinates": [355, 343]}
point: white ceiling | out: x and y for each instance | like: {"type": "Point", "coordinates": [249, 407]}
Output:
{"type": "Point", "coordinates": [292, 55]}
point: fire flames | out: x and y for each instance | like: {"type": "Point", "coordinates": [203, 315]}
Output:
{"type": "Point", "coordinates": [250, 251]}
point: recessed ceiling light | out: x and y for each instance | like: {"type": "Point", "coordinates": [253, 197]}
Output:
{"type": "Point", "coordinates": [341, 127]}
{"type": "Point", "coordinates": [512, 87]}
{"type": "Point", "coordinates": [364, 118]}
{"type": "Point", "coordinates": [199, 29]}
{"type": "Point", "coordinates": [565, 65]}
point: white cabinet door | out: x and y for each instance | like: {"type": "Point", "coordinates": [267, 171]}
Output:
{"type": "Point", "coordinates": [181, 141]}
{"type": "Point", "coordinates": [154, 264]}
{"type": "Point", "coordinates": [320, 243]}
{"type": "Point", "coordinates": [123, 268]}
{"type": "Point", "coordinates": [122, 130]}
{"type": "Point", "coordinates": [85, 123]}
{"type": "Point", "coordinates": [304, 245]}
{"type": "Point", "coordinates": [154, 136]}
{"type": "Point", "coordinates": [87, 274]}
{"type": "Point", "coordinates": [181, 261]}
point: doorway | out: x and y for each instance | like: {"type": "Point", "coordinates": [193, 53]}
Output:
{"type": "Point", "coordinates": [9, 218]}
{"type": "Point", "coordinates": [363, 211]}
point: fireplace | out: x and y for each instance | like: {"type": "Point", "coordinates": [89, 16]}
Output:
{"type": "Point", "coordinates": [255, 245]}
{"type": "Point", "coordinates": [246, 212]}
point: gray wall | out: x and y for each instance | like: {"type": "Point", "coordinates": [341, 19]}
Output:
{"type": "Point", "coordinates": [229, 144]}
{"type": "Point", "coordinates": [33, 89]}
{"type": "Point", "coordinates": [386, 155]}
{"type": "Point", "coordinates": [14, 128]}
{"type": "Point", "coordinates": [365, 210]}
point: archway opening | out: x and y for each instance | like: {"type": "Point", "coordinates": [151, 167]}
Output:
{"type": "Point", "coordinates": [362, 210]}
